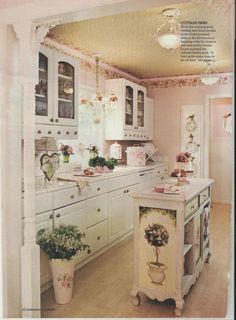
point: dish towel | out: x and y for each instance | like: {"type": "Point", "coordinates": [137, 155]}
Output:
{"type": "Point", "coordinates": [82, 183]}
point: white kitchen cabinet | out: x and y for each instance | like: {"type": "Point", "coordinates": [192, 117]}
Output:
{"type": "Point", "coordinates": [56, 95]}
{"type": "Point", "coordinates": [97, 237]}
{"type": "Point", "coordinates": [44, 221]}
{"type": "Point", "coordinates": [72, 214]}
{"type": "Point", "coordinates": [129, 208]}
{"type": "Point", "coordinates": [96, 210]}
{"type": "Point", "coordinates": [127, 119]}
{"type": "Point", "coordinates": [148, 118]}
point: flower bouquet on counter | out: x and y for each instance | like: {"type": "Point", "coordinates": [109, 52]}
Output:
{"type": "Point", "coordinates": [66, 151]}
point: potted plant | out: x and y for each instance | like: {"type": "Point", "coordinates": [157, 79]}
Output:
{"type": "Point", "coordinates": [156, 236]}
{"type": "Point", "coordinates": [61, 245]}
{"type": "Point", "coordinates": [66, 151]}
{"type": "Point", "coordinates": [102, 165]}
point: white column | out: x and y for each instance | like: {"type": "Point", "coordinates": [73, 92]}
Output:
{"type": "Point", "coordinates": [29, 37]}
{"type": "Point", "coordinates": [10, 173]}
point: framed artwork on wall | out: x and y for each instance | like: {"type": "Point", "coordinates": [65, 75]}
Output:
{"type": "Point", "coordinates": [192, 135]}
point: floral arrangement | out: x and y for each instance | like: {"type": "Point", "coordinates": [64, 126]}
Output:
{"type": "Point", "coordinates": [66, 150]}
{"type": "Point", "coordinates": [156, 236]}
{"type": "Point", "coordinates": [102, 162]}
{"type": "Point", "coordinates": [183, 157]}
{"type": "Point", "coordinates": [61, 243]}
{"type": "Point", "coordinates": [93, 150]}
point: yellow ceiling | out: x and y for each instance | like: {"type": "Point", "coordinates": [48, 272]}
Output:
{"type": "Point", "coordinates": [126, 40]}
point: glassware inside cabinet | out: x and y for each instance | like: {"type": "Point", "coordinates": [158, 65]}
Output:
{"type": "Point", "coordinates": [65, 90]}
{"type": "Point", "coordinates": [129, 105]}
{"type": "Point", "coordinates": [41, 89]}
{"type": "Point", "coordinates": [140, 114]}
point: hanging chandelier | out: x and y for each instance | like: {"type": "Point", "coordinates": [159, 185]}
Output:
{"type": "Point", "coordinates": [209, 76]}
{"type": "Point", "coordinates": [99, 101]}
{"type": "Point", "coordinates": [168, 34]}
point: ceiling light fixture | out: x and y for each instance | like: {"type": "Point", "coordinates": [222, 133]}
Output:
{"type": "Point", "coordinates": [210, 76]}
{"type": "Point", "coordinates": [99, 101]}
{"type": "Point", "coordinates": [168, 35]}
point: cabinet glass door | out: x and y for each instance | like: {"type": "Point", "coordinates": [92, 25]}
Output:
{"type": "Point", "coordinates": [140, 105]}
{"type": "Point", "coordinates": [41, 89]}
{"type": "Point", "coordinates": [66, 90]}
{"type": "Point", "coordinates": [129, 106]}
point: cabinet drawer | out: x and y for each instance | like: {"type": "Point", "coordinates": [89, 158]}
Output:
{"type": "Point", "coordinates": [44, 130]}
{"type": "Point", "coordinates": [161, 171]}
{"type": "Point", "coordinates": [97, 236]}
{"type": "Point", "coordinates": [64, 197]}
{"type": "Point", "coordinates": [191, 207]}
{"type": "Point", "coordinates": [96, 210]}
{"type": "Point", "coordinates": [66, 132]}
{"type": "Point", "coordinates": [43, 202]}
{"type": "Point", "coordinates": [97, 188]}
{"type": "Point", "coordinates": [145, 176]}
{"type": "Point", "coordinates": [204, 195]}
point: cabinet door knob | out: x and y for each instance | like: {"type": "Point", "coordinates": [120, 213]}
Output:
{"type": "Point", "coordinates": [162, 178]}
{"type": "Point", "coordinates": [124, 191]}
{"type": "Point", "coordinates": [98, 210]}
{"type": "Point", "coordinates": [89, 251]}
{"type": "Point", "coordinates": [98, 188]}
{"type": "Point", "coordinates": [39, 131]}
{"type": "Point", "coordinates": [58, 215]}
{"type": "Point", "coordinates": [98, 238]}
{"type": "Point", "coordinates": [56, 120]}
{"type": "Point", "coordinates": [127, 191]}
{"type": "Point", "coordinates": [72, 196]}
{"type": "Point", "coordinates": [50, 217]}
{"type": "Point", "coordinates": [51, 119]}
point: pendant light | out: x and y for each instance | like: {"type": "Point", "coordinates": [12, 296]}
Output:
{"type": "Point", "coordinates": [99, 101]}
{"type": "Point", "coordinates": [168, 34]}
{"type": "Point", "coordinates": [210, 76]}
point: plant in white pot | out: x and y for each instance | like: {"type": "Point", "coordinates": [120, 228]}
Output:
{"type": "Point", "coordinates": [61, 245]}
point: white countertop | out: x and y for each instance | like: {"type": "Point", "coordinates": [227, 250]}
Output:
{"type": "Point", "coordinates": [186, 193]}
{"type": "Point", "coordinates": [118, 171]}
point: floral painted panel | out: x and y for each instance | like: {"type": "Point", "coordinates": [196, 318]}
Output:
{"type": "Point", "coordinates": [157, 248]}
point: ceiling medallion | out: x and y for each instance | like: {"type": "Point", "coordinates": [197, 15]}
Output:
{"type": "Point", "coordinates": [168, 34]}
{"type": "Point", "coordinates": [210, 76]}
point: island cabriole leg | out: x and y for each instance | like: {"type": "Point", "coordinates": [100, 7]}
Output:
{"type": "Point", "coordinates": [179, 304]}
{"type": "Point", "coordinates": [136, 297]}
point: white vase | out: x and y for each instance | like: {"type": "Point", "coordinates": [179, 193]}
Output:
{"type": "Point", "coordinates": [62, 275]}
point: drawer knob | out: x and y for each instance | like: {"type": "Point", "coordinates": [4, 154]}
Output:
{"type": "Point", "coordinates": [39, 131]}
{"type": "Point", "coordinates": [51, 119]}
{"type": "Point", "coordinates": [72, 196]}
{"type": "Point", "coordinates": [58, 215]}
{"type": "Point", "coordinates": [127, 191]}
{"type": "Point", "coordinates": [89, 251]}
{"type": "Point", "coordinates": [98, 188]}
{"type": "Point", "coordinates": [49, 132]}
{"type": "Point", "coordinates": [192, 207]}
{"type": "Point", "coordinates": [58, 132]}
{"type": "Point", "coordinates": [158, 172]}
{"type": "Point", "coordinates": [98, 210]}
{"type": "Point", "coordinates": [98, 238]}
{"type": "Point", "coordinates": [124, 191]}
{"type": "Point", "coordinates": [56, 120]}
{"type": "Point", "coordinates": [50, 216]}
{"type": "Point", "coordinates": [162, 178]}
{"type": "Point", "coordinates": [75, 133]}
{"type": "Point", "coordinates": [67, 132]}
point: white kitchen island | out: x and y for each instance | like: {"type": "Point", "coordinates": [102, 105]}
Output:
{"type": "Point", "coordinates": [171, 239]}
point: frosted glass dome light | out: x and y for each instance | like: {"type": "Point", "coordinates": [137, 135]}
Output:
{"type": "Point", "coordinates": [209, 77]}
{"type": "Point", "coordinates": [168, 35]}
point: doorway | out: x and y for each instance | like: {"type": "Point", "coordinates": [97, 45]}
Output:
{"type": "Point", "coordinates": [221, 149]}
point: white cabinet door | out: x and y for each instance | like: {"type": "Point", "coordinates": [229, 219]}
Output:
{"type": "Point", "coordinates": [44, 221]}
{"type": "Point", "coordinates": [65, 77]}
{"type": "Point", "coordinates": [72, 214]}
{"type": "Point", "coordinates": [148, 118]}
{"type": "Point", "coordinates": [44, 88]}
{"type": "Point", "coordinates": [116, 210]}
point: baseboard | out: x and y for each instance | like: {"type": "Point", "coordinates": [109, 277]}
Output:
{"type": "Point", "coordinates": [221, 202]}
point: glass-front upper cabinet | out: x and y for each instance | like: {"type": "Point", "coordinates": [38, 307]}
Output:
{"type": "Point", "coordinates": [66, 91]}
{"type": "Point", "coordinates": [129, 106]}
{"type": "Point", "coordinates": [140, 108]}
{"type": "Point", "coordinates": [43, 90]}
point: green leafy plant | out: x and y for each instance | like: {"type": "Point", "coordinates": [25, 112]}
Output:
{"type": "Point", "coordinates": [102, 162]}
{"type": "Point", "coordinates": [63, 242]}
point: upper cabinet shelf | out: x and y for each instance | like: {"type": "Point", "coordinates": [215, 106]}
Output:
{"type": "Point", "coordinates": [132, 116]}
{"type": "Point", "coordinates": [56, 94]}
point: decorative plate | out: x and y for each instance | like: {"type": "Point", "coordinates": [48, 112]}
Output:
{"type": "Point", "coordinates": [49, 164]}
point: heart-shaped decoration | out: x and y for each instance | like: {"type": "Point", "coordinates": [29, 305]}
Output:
{"type": "Point", "coordinates": [49, 164]}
